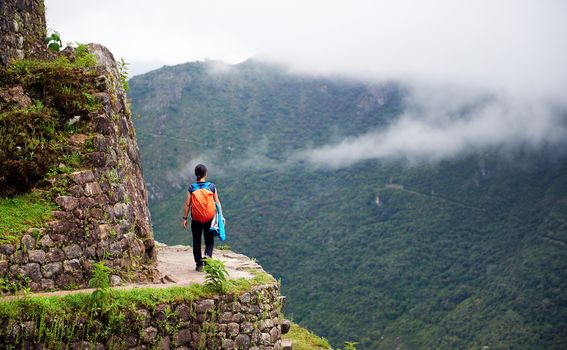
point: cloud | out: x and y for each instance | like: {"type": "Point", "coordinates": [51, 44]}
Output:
{"type": "Point", "coordinates": [515, 45]}
{"type": "Point", "coordinates": [507, 57]}
{"type": "Point", "coordinates": [440, 124]}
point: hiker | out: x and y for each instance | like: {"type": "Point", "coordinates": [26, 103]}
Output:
{"type": "Point", "coordinates": [201, 198]}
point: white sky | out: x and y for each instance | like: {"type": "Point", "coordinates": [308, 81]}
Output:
{"type": "Point", "coordinates": [503, 44]}
{"type": "Point", "coordinates": [449, 51]}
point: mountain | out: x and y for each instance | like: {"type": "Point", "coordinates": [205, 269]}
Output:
{"type": "Point", "coordinates": [461, 253]}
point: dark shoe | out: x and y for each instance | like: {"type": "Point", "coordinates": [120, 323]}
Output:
{"type": "Point", "coordinates": [199, 268]}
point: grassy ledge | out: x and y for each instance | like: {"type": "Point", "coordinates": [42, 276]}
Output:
{"type": "Point", "coordinates": [102, 317]}
{"type": "Point", "coordinates": [303, 339]}
{"type": "Point", "coordinates": [22, 212]}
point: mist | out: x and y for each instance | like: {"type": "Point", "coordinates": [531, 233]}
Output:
{"type": "Point", "coordinates": [443, 122]}
{"type": "Point", "coordinates": [480, 73]}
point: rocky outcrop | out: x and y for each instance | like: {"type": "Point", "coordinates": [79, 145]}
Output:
{"type": "Point", "coordinates": [22, 29]}
{"type": "Point", "coordinates": [103, 213]}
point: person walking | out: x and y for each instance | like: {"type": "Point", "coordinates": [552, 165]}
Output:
{"type": "Point", "coordinates": [201, 198]}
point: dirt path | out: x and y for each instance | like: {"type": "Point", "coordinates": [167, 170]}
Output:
{"type": "Point", "coordinates": [176, 265]}
{"type": "Point", "coordinates": [177, 262]}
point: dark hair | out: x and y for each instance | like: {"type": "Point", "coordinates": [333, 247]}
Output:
{"type": "Point", "coordinates": [200, 171]}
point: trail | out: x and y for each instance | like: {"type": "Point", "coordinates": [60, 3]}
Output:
{"type": "Point", "coordinates": [176, 265]}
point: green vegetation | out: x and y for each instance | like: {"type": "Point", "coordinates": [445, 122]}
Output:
{"type": "Point", "coordinates": [303, 339]}
{"type": "Point", "coordinates": [101, 281]}
{"type": "Point", "coordinates": [123, 71]}
{"type": "Point", "coordinates": [215, 275]}
{"type": "Point", "coordinates": [350, 345]}
{"type": "Point", "coordinates": [52, 101]}
{"type": "Point", "coordinates": [459, 254]}
{"type": "Point", "coordinates": [58, 319]}
{"type": "Point", "coordinates": [21, 212]}
{"type": "Point", "coordinates": [54, 42]}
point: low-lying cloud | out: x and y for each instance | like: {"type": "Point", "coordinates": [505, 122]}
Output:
{"type": "Point", "coordinates": [441, 123]}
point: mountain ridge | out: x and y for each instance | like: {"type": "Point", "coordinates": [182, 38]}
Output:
{"type": "Point", "coordinates": [455, 258]}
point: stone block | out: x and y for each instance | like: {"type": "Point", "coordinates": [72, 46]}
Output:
{"type": "Point", "coordinates": [265, 339]}
{"type": "Point", "coordinates": [37, 256]}
{"type": "Point", "coordinates": [52, 269]}
{"type": "Point", "coordinates": [286, 326]}
{"type": "Point", "coordinates": [183, 337]}
{"type": "Point", "coordinates": [82, 177]}
{"type": "Point", "coordinates": [255, 336]}
{"type": "Point", "coordinates": [28, 242]}
{"type": "Point", "coordinates": [90, 251]}
{"type": "Point", "coordinates": [61, 215]}
{"type": "Point", "coordinates": [117, 248]}
{"type": "Point", "coordinates": [68, 203]}
{"type": "Point", "coordinates": [104, 125]}
{"type": "Point", "coordinates": [164, 343]}
{"type": "Point", "coordinates": [245, 298]}
{"type": "Point", "coordinates": [115, 281]}
{"type": "Point", "coordinates": [32, 271]}
{"type": "Point", "coordinates": [238, 318]}
{"type": "Point", "coordinates": [149, 335]}
{"type": "Point", "coordinates": [87, 202]}
{"type": "Point", "coordinates": [233, 329]}
{"type": "Point", "coordinates": [103, 231]}
{"type": "Point", "coordinates": [65, 280]}
{"type": "Point", "coordinates": [46, 242]}
{"type": "Point", "coordinates": [183, 312]}
{"type": "Point", "coordinates": [205, 305]}
{"type": "Point", "coordinates": [246, 327]}
{"type": "Point", "coordinates": [7, 249]}
{"type": "Point", "coordinates": [275, 334]}
{"type": "Point", "coordinates": [242, 341]}
{"type": "Point", "coordinates": [59, 226]}
{"type": "Point", "coordinates": [18, 257]}
{"type": "Point", "coordinates": [251, 318]}
{"type": "Point", "coordinates": [71, 265]}
{"type": "Point", "coordinates": [213, 342]}
{"type": "Point", "coordinates": [54, 254]}
{"type": "Point", "coordinates": [96, 159]}
{"type": "Point", "coordinates": [120, 209]}
{"type": "Point", "coordinates": [227, 344]}
{"type": "Point", "coordinates": [76, 191]}
{"type": "Point", "coordinates": [73, 251]}
{"type": "Point", "coordinates": [262, 325]}
{"type": "Point", "coordinates": [225, 317]}
{"type": "Point", "coordinates": [92, 189]}
{"type": "Point", "coordinates": [287, 345]}
{"type": "Point", "coordinates": [47, 284]}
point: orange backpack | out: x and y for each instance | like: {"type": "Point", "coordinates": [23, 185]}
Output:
{"type": "Point", "coordinates": [202, 201]}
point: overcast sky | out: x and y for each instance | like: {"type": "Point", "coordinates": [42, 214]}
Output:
{"type": "Point", "coordinates": [515, 49]}
{"type": "Point", "coordinates": [503, 42]}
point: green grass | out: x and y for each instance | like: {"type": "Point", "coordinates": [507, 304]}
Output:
{"type": "Point", "coordinates": [303, 339]}
{"type": "Point", "coordinates": [22, 212]}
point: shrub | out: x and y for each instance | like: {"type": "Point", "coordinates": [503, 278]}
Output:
{"type": "Point", "coordinates": [216, 275]}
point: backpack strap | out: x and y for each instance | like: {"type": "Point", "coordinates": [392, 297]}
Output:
{"type": "Point", "coordinates": [198, 185]}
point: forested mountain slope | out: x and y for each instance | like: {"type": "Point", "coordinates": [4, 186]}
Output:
{"type": "Point", "coordinates": [463, 253]}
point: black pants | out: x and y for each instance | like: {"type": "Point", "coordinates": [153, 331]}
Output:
{"type": "Point", "coordinates": [198, 228]}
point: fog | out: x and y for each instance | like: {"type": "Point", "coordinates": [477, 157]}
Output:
{"type": "Point", "coordinates": [440, 124]}
{"type": "Point", "coordinates": [506, 58]}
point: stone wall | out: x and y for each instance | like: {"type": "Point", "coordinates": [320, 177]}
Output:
{"type": "Point", "coordinates": [104, 214]}
{"type": "Point", "coordinates": [249, 321]}
{"type": "Point", "coordinates": [22, 29]}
